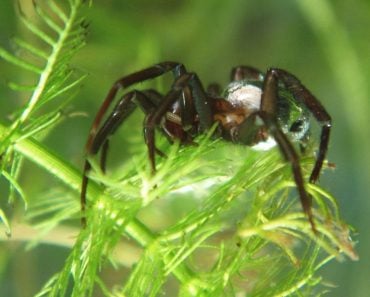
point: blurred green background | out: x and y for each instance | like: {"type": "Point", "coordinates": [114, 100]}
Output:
{"type": "Point", "coordinates": [325, 43]}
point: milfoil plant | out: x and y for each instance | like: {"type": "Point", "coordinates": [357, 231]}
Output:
{"type": "Point", "coordinates": [217, 219]}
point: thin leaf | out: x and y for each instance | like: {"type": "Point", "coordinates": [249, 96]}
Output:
{"type": "Point", "coordinates": [5, 221]}
{"type": "Point", "coordinates": [18, 87]}
{"type": "Point", "coordinates": [19, 62]}
{"type": "Point", "coordinates": [47, 19]}
{"type": "Point", "coordinates": [58, 11]}
{"type": "Point", "coordinates": [16, 186]}
{"type": "Point", "coordinates": [37, 31]}
{"type": "Point", "coordinates": [31, 48]}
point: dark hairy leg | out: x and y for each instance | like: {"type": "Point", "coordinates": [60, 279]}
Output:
{"type": "Point", "coordinates": [246, 73]}
{"type": "Point", "coordinates": [248, 130]}
{"type": "Point", "coordinates": [302, 94]}
{"type": "Point", "coordinates": [126, 81]}
{"type": "Point", "coordinates": [124, 107]}
{"type": "Point", "coordinates": [196, 102]}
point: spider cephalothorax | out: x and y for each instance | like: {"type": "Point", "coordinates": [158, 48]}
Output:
{"type": "Point", "coordinates": [257, 109]}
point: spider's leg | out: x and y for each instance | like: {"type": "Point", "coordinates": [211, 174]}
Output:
{"type": "Point", "coordinates": [187, 108]}
{"type": "Point", "coordinates": [249, 129]}
{"type": "Point", "coordinates": [302, 94]}
{"type": "Point", "coordinates": [103, 155]}
{"type": "Point", "coordinates": [247, 132]}
{"type": "Point", "coordinates": [121, 111]}
{"type": "Point", "coordinates": [153, 119]}
{"type": "Point", "coordinates": [126, 81]}
{"type": "Point", "coordinates": [154, 96]}
{"type": "Point", "coordinates": [198, 95]}
{"type": "Point", "coordinates": [291, 156]}
{"type": "Point", "coordinates": [194, 100]}
{"type": "Point", "coordinates": [246, 73]}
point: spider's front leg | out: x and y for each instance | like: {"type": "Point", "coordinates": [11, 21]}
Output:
{"type": "Point", "coordinates": [302, 94]}
{"type": "Point", "coordinates": [194, 105]}
{"type": "Point", "coordinates": [250, 129]}
{"type": "Point", "coordinates": [247, 132]}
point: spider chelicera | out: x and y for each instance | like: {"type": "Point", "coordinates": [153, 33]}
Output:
{"type": "Point", "coordinates": [257, 109]}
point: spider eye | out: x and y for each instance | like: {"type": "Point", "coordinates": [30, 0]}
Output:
{"type": "Point", "coordinates": [296, 126]}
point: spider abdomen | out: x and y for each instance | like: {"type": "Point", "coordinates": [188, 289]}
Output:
{"type": "Point", "coordinates": [244, 95]}
{"type": "Point", "coordinates": [240, 100]}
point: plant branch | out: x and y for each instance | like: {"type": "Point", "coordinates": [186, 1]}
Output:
{"type": "Point", "coordinates": [64, 236]}
{"type": "Point", "coordinates": [71, 176]}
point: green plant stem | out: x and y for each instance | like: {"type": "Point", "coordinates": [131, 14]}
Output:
{"type": "Point", "coordinates": [126, 253]}
{"type": "Point", "coordinates": [71, 176]}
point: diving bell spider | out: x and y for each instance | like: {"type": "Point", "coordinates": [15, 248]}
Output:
{"type": "Point", "coordinates": [257, 109]}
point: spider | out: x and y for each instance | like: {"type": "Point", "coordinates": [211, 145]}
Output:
{"type": "Point", "coordinates": [257, 109]}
